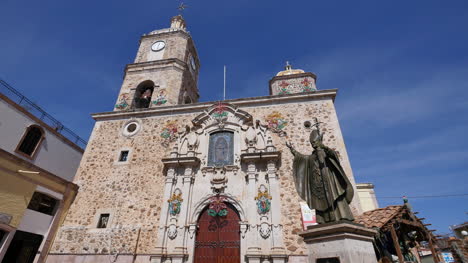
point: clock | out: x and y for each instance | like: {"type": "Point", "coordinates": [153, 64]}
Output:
{"type": "Point", "coordinates": [192, 63]}
{"type": "Point", "coordinates": [158, 46]}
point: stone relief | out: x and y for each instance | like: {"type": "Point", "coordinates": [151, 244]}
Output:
{"type": "Point", "coordinates": [276, 123]}
{"type": "Point", "coordinates": [169, 132]}
{"type": "Point", "coordinates": [172, 231]}
{"type": "Point", "coordinates": [263, 200]}
{"type": "Point", "coordinates": [161, 98]}
{"type": "Point", "coordinates": [264, 230]}
{"type": "Point", "coordinates": [122, 104]}
{"type": "Point", "coordinates": [175, 202]}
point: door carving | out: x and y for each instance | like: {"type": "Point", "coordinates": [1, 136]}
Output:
{"type": "Point", "coordinates": [218, 237]}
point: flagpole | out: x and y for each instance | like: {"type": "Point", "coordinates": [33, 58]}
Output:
{"type": "Point", "coordinates": [224, 93]}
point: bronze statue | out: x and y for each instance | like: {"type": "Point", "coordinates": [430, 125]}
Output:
{"type": "Point", "coordinates": [321, 181]}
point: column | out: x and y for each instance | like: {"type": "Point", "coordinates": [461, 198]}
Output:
{"type": "Point", "coordinates": [170, 176]}
{"type": "Point", "coordinates": [253, 250]}
{"type": "Point", "coordinates": [278, 252]}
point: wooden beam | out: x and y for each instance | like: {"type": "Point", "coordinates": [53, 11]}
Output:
{"type": "Point", "coordinates": [427, 224]}
{"type": "Point", "coordinates": [396, 244]}
{"type": "Point", "coordinates": [435, 257]}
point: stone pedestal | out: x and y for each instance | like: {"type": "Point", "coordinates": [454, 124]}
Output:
{"type": "Point", "coordinates": [342, 241]}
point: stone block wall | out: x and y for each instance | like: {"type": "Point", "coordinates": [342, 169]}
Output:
{"type": "Point", "coordinates": [133, 192]}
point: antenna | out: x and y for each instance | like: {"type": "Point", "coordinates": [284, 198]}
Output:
{"type": "Point", "coordinates": [224, 93]}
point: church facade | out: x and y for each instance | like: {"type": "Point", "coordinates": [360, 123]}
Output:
{"type": "Point", "coordinates": [167, 179]}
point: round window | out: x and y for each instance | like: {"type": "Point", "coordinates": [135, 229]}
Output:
{"type": "Point", "coordinates": [131, 128]}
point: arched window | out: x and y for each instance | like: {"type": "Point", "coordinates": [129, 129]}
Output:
{"type": "Point", "coordinates": [221, 149]}
{"type": "Point", "coordinates": [31, 140]}
{"type": "Point", "coordinates": [143, 94]}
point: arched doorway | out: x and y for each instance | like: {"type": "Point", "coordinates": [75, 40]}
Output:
{"type": "Point", "coordinates": [218, 237]}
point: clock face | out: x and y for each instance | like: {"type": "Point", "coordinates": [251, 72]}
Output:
{"type": "Point", "coordinates": [192, 63]}
{"type": "Point", "coordinates": [158, 46]}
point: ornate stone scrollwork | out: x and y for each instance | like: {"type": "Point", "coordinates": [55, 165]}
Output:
{"type": "Point", "coordinates": [172, 231]}
{"type": "Point", "coordinates": [263, 200]}
{"type": "Point", "coordinates": [264, 230]}
{"type": "Point", "coordinates": [175, 202]}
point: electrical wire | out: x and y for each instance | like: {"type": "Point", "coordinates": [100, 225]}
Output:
{"type": "Point", "coordinates": [416, 196]}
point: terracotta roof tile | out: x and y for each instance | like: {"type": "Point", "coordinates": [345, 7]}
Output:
{"type": "Point", "coordinates": [378, 217]}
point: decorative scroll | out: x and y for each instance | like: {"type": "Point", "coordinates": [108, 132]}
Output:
{"type": "Point", "coordinates": [169, 132]}
{"type": "Point", "coordinates": [123, 103]}
{"type": "Point", "coordinates": [263, 200]}
{"type": "Point", "coordinates": [161, 98]}
{"type": "Point", "coordinates": [175, 202]}
{"type": "Point", "coordinates": [220, 111]}
{"type": "Point", "coordinates": [217, 206]}
{"type": "Point", "coordinates": [306, 85]}
{"type": "Point", "coordinates": [284, 88]}
{"type": "Point", "coordinates": [276, 122]}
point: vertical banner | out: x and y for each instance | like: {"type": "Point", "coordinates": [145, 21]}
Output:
{"type": "Point", "coordinates": [308, 216]}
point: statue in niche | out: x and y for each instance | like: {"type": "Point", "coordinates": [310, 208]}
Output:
{"type": "Point", "coordinates": [188, 140]}
{"type": "Point", "coordinates": [321, 181]}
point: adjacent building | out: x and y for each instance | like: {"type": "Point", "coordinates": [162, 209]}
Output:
{"type": "Point", "coordinates": [367, 197]}
{"type": "Point", "coordinates": [38, 160]}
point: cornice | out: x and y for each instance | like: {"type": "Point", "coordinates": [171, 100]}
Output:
{"type": "Point", "coordinates": [155, 63]}
{"type": "Point", "coordinates": [198, 107]}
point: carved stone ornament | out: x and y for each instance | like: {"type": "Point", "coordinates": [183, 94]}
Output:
{"type": "Point", "coordinates": [217, 206]}
{"type": "Point", "coordinates": [264, 230]}
{"type": "Point", "coordinates": [172, 231]}
{"type": "Point", "coordinates": [169, 133]}
{"type": "Point", "coordinates": [175, 202]}
{"type": "Point", "coordinates": [192, 229]}
{"type": "Point", "coordinates": [122, 104]}
{"type": "Point", "coordinates": [263, 200]}
{"type": "Point", "coordinates": [276, 123]}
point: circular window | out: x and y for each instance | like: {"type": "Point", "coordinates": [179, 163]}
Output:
{"type": "Point", "coordinates": [131, 128]}
{"type": "Point", "coordinates": [307, 124]}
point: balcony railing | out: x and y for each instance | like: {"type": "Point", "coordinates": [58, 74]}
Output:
{"type": "Point", "coordinates": [35, 110]}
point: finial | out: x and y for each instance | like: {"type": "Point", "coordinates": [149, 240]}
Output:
{"type": "Point", "coordinates": [288, 67]}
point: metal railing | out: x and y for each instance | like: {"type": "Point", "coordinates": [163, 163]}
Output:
{"type": "Point", "coordinates": [35, 110]}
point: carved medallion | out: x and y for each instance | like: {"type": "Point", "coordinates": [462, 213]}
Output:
{"type": "Point", "coordinates": [220, 111]}
{"type": "Point", "coordinates": [122, 104]}
{"type": "Point", "coordinates": [276, 123]}
{"type": "Point", "coordinates": [263, 200]}
{"type": "Point", "coordinates": [161, 98]}
{"type": "Point", "coordinates": [175, 203]}
{"type": "Point", "coordinates": [169, 132]}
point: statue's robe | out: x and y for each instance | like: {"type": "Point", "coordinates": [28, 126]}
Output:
{"type": "Point", "coordinates": [326, 189]}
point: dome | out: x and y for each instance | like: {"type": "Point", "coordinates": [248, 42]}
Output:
{"type": "Point", "coordinates": [288, 70]}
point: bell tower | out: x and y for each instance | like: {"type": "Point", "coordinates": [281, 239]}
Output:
{"type": "Point", "coordinates": [165, 70]}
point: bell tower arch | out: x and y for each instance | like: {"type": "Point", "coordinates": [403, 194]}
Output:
{"type": "Point", "coordinates": [168, 59]}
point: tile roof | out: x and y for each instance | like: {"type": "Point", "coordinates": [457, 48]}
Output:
{"type": "Point", "coordinates": [378, 217]}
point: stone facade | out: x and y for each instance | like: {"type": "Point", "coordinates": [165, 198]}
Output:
{"type": "Point", "coordinates": [148, 171]}
{"type": "Point", "coordinates": [134, 191]}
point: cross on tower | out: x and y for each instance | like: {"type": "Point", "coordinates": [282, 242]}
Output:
{"type": "Point", "coordinates": [181, 7]}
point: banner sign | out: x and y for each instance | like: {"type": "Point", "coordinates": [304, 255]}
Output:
{"type": "Point", "coordinates": [308, 216]}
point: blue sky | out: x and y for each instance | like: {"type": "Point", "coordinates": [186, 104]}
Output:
{"type": "Point", "coordinates": [401, 68]}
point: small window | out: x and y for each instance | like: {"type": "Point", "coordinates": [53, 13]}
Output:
{"type": "Point", "coordinates": [103, 220]}
{"type": "Point", "coordinates": [43, 203]}
{"type": "Point", "coordinates": [31, 140]}
{"type": "Point", "coordinates": [123, 156]}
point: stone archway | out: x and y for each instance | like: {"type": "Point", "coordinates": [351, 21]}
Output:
{"type": "Point", "coordinates": [218, 237]}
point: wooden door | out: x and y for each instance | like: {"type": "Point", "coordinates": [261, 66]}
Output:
{"type": "Point", "coordinates": [218, 238]}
